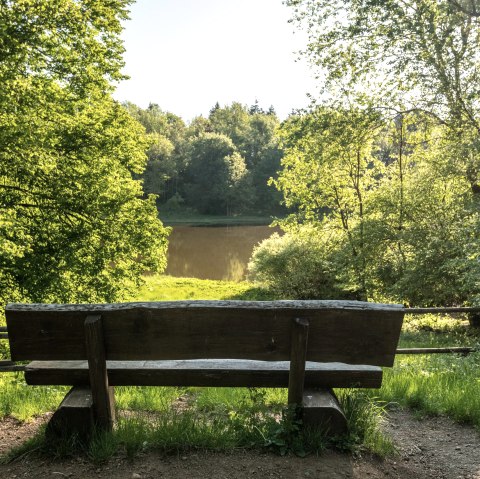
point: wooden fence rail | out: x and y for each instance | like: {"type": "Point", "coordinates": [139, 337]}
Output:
{"type": "Point", "coordinates": [10, 366]}
{"type": "Point", "coordinates": [458, 350]}
{"type": "Point", "coordinates": [3, 332]}
{"type": "Point", "coordinates": [453, 309]}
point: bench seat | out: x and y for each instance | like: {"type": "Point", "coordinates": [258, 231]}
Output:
{"type": "Point", "coordinates": [202, 372]}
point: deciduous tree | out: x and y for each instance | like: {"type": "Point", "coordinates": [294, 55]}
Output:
{"type": "Point", "coordinates": [73, 224]}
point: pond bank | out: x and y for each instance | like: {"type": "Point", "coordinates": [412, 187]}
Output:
{"type": "Point", "coordinates": [193, 219]}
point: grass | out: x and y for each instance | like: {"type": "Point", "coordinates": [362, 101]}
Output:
{"type": "Point", "coordinates": [436, 384]}
{"type": "Point", "coordinates": [178, 419]}
{"type": "Point", "coordinates": [219, 419]}
{"type": "Point", "coordinates": [169, 288]}
{"type": "Point", "coordinates": [21, 401]}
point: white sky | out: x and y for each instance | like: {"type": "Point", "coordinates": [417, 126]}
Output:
{"type": "Point", "coordinates": [186, 55]}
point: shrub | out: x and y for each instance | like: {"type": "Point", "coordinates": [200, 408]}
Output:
{"type": "Point", "coordinates": [296, 265]}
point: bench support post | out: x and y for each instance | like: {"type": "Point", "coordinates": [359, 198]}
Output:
{"type": "Point", "coordinates": [74, 418]}
{"type": "Point", "coordinates": [102, 393]}
{"type": "Point", "coordinates": [322, 409]}
{"type": "Point", "coordinates": [298, 356]}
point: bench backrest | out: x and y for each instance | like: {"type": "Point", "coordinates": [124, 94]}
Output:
{"type": "Point", "coordinates": [339, 331]}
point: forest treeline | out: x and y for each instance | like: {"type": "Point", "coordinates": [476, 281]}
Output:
{"type": "Point", "coordinates": [215, 165]}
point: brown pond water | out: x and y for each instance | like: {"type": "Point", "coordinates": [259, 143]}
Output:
{"type": "Point", "coordinates": [213, 252]}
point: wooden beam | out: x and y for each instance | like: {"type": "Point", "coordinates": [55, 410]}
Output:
{"type": "Point", "coordinates": [102, 393]}
{"type": "Point", "coordinates": [459, 350]}
{"type": "Point", "coordinates": [296, 378]}
{"type": "Point", "coordinates": [205, 372]}
{"type": "Point", "coordinates": [322, 409]}
{"type": "Point", "coordinates": [451, 309]}
{"type": "Point", "coordinates": [7, 366]}
{"type": "Point", "coordinates": [74, 418]}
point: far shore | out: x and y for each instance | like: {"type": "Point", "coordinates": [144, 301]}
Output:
{"type": "Point", "coordinates": [192, 219]}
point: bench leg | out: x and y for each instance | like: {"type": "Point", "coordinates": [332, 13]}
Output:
{"type": "Point", "coordinates": [321, 408]}
{"type": "Point", "coordinates": [298, 355]}
{"type": "Point", "coordinates": [74, 418]}
{"type": "Point", "coordinates": [103, 396]}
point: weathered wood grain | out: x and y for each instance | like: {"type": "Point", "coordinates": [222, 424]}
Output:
{"type": "Point", "coordinates": [348, 331]}
{"type": "Point", "coordinates": [224, 304]}
{"type": "Point", "coordinates": [102, 393]}
{"type": "Point", "coordinates": [321, 408]}
{"type": "Point", "coordinates": [73, 418]}
{"type": "Point", "coordinates": [298, 356]}
{"type": "Point", "coordinates": [213, 372]}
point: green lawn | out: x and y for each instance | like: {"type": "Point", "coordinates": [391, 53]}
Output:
{"type": "Point", "coordinates": [436, 384]}
{"type": "Point", "coordinates": [168, 288]}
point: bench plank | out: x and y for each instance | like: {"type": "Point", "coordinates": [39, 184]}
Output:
{"type": "Point", "coordinates": [214, 373]}
{"type": "Point", "coordinates": [347, 331]}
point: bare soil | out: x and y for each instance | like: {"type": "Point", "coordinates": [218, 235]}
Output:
{"type": "Point", "coordinates": [428, 448]}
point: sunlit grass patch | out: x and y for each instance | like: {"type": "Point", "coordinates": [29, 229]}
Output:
{"type": "Point", "coordinates": [139, 398]}
{"type": "Point", "coordinates": [19, 400]}
{"type": "Point", "coordinates": [218, 419]}
{"type": "Point", "coordinates": [436, 384]}
{"type": "Point", "coordinates": [169, 288]}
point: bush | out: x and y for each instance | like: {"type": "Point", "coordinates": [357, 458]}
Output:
{"type": "Point", "coordinates": [296, 265]}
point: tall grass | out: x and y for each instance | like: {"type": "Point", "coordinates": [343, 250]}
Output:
{"type": "Point", "coordinates": [436, 384]}
{"type": "Point", "coordinates": [21, 401]}
{"type": "Point", "coordinates": [169, 288]}
{"type": "Point", "coordinates": [365, 415]}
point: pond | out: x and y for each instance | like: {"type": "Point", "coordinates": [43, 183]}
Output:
{"type": "Point", "coordinates": [213, 252]}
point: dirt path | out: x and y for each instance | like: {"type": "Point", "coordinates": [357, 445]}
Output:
{"type": "Point", "coordinates": [430, 448]}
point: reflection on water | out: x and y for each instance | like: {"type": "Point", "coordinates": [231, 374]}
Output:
{"type": "Point", "coordinates": [220, 252]}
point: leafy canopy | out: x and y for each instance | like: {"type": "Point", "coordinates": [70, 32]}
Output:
{"type": "Point", "coordinates": [73, 224]}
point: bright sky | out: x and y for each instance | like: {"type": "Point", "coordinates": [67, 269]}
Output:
{"type": "Point", "coordinates": [186, 55]}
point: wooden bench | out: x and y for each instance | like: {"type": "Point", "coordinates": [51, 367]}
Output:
{"type": "Point", "coordinates": [307, 346]}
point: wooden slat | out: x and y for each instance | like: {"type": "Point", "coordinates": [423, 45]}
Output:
{"type": "Point", "coordinates": [296, 378]}
{"type": "Point", "coordinates": [102, 393]}
{"type": "Point", "coordinates": [9, 366]}
{"type": "Point", "coordinates": [451, 309]}
{"type": "Point", "coordinates": [215, 373]}
{"type": "Point", "coordinates": [346, 331]}
{"type": "Point", "coordinates": [459, 350]}
{"type": "Point", "coordinates": [3, 335]}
